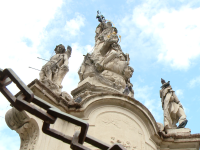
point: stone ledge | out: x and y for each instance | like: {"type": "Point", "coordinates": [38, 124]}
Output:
{"type": "Point", "coordinates": [179, 132]}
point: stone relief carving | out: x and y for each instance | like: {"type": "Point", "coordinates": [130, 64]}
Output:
{"type": "Point", "coordinates": [53, 72]}
{"type": "Point", "coordinates": [107, 63]}
{"type": "Point", "coordinates": [26, 127]}
{"type": "Point", "coordinates": [173, 109]}
{"type": "Point", "coordinates": [112, 123]}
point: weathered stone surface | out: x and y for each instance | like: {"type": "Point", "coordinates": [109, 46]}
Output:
{"type": "Point", "coordinates": [177, 132]}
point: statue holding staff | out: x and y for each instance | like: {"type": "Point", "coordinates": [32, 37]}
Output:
{"type": "Point", "coordinates": [54, 71]}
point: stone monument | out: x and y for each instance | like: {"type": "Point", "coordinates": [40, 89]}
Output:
{"type": "Point", "coordinates": [173, 109]}
{"type": "Point", "coordinates": [107, 68]}
{"type": "Point", "coordinates": [53, 72]}
{"type": "Point", "coordinates": [104, 99]}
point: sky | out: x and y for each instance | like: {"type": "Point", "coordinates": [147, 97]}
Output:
{"type": "Point", "coordinates": [161, 37]}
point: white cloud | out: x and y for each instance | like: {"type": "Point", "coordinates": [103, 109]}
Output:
{"type": "Point", "coordinates": [73, 26]}
{"type": "Point", "coordinates": [25, 19]}
{"type": "Point", "coordinates": [180, 34]}
{"type": "Point", "coordinates": [176, 33]}
{"type": "Point", "coordinates": [194, 82]}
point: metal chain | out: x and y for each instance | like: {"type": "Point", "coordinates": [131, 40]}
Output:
{"type": "Point", "coordinates": [49, 114]}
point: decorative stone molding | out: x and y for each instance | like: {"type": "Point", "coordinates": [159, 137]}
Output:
{"type": "Point", "coordinates": [26, 127]}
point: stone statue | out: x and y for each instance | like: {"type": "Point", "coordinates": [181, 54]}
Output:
{"type": "Point", "coordinates": [173, 110]}
{"type": "Point", "coordinates": [107, 67]}
{"type": "Point", "coordinates": [53, 72]}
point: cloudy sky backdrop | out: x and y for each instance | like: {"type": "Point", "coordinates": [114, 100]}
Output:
{"type": "Point", "coordinates": [162, 38]}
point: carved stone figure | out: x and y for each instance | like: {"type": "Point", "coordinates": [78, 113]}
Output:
{"type": "Point", "coordinates": [173, 110]}
{"type": "Point", "coordinates": [107, 65]}
{"type": "Point", "coordinates": [53, 72]}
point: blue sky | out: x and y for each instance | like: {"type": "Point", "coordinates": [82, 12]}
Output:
{"type": "Point", "coordinates": [162, 38]}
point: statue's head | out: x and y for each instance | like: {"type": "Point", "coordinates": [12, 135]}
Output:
{"type": "Point", "coordinates": [128, 72]}
{"type": "Point", "coordinates": [59, 49]}
{"type": "Point", "coordinates": [69, 51]}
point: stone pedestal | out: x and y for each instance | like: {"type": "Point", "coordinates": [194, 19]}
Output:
{"type": "Point", "coordinates": [112, 117]}
{"type": "Point", "coordinates": [89, 88]}
{"type": "Point", "coordinates": [179, 132]}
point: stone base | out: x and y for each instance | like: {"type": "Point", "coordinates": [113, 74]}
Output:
{"type": "Point", "coordinates": [87, 89]}
{"type": "Point", "coordinates": [92, 85]}
{"type": "Point", "coordinates": [64, 101]}
{"type": "Point", "coordinates": [177, 132]}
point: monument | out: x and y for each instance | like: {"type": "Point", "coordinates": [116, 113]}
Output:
{"type": "Point", "coordinates": [107, 68]}
{"type": "Point", "coordinates": [53, 72]}
{"type": "Point", "coordinates": [102, 114]}
{"type": "Point", "coordinates": [173, 109]}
